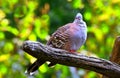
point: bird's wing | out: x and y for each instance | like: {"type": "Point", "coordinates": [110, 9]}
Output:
{"type": "Point", "coordinates": [60, 38]}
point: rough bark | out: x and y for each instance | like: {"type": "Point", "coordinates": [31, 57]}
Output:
{"type": "Point", "coordinates": [63, 57]}
{"type": "Point", "coordinates": [115, 55]}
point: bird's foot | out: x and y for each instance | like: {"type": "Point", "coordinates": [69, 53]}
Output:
{"type": "Point", "coordinates": [72, 51]}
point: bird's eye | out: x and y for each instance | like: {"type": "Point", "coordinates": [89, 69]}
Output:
{"type": "Point", "coordinates": [79, 18]}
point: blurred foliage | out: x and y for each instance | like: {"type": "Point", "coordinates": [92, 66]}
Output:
{"type": "Point", "coordinates": [36, 20]}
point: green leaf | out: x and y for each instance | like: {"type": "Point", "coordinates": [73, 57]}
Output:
{"type": "Point", "coordinates": [32, 37]}
{"type": "Point", "coordinates": [87, 15]}
{"type": "Point", "coordinates": [8, 47]}
{"type": "Point", "coordinates": [3, 69]}
{"type": "Point", "coordinates": [77, 4]}
{"type": "Point", "coordinates": [2, 36]}
{"type": "Point", "coordinates": [43, 68]}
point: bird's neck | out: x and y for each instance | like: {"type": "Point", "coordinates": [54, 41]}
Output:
{"type": "Point", "coordinates": [78, 21]}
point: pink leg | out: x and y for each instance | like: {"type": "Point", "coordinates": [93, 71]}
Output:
{"type": "Point", "coordinates": [72, 51]}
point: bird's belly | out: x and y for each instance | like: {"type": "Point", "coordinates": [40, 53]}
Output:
{"type": "Point", "coordinates": [77, 44]}
{"type": "Point", "coordinates": [78, 40]}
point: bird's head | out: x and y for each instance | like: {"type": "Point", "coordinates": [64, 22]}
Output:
{"type": "Point", "coordinates": [78, 16]}
{"type": "Point", "coordinates": [79, 20]}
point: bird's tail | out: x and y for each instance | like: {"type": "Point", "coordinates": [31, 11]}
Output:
{"type": "Point", "coordinates": [34, 66]}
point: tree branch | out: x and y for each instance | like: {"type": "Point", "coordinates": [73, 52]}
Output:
{"type": "Point", "coordinates": [115, 55]}
{"type": "Point", "coordinates": [63, 57]}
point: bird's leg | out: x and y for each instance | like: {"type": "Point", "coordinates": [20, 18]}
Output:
{"type": "Point", "coordinates": [72, 51]}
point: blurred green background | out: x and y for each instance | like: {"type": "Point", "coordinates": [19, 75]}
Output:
{"type": "Point", "coordinates": [36, 20]}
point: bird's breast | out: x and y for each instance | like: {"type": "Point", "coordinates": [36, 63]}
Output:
{"type": "Point", "coordinates": [78, 38]}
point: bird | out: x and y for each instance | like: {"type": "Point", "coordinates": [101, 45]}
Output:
{"type": "Point", "coordinates": [70, 37]}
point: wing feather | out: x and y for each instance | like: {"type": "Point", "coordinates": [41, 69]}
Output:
{"type": "Point", "coordinates": [59, 39]}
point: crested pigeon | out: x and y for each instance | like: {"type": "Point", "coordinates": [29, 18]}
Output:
{"type": "Point", "coordinates": [69, 37]}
